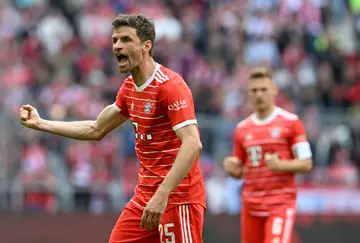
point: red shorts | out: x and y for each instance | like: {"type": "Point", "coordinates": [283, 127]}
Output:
{"type": "Point", "coordinates": [182, 224]}
{"type": "Point", "coordinates": [277, 228]}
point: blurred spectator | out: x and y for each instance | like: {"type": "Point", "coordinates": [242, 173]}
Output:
{"type": "Point", "coordinates": [53, 39]}
{"type": "Point", "coordinates": [37, 180]}
{"type": "Point", "coordinates": [343, 171]}
{"type": "Point", "coordinates": [216, 191]}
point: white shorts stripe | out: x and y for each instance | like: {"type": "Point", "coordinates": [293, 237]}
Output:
{"type": "Point", "coordinates": [188, 223]}
{"type": "Point", "coordinates": [181, 225]}
{"type": "Point", "coordinates": [289, 221]}
{"type": "Point", "coordinates": [183, 220]}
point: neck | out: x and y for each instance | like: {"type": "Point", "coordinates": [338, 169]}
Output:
{"type": "Point", "coordinates": [262, 114]}
{"type": "Point", "coordinates": [143, 72]}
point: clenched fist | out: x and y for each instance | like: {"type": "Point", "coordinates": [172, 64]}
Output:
{"type": "Point", "coordinates": [29, 117]}
{"type": "Point", "coordinates": [233, 166]}
{"type": "Point", "coordinates": [273, 162]}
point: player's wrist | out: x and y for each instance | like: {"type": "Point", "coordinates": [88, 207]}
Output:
{"type": "Point", "coordinates": [282, 166]}
{"type": "Point", "coordinates": [241, 172]}
{"type": "Point", "coordinates": [237, 173]}
{"type": "Point", "coordinates": [163, 192]}
{"type": "Point", "coordinates": [41, 125]}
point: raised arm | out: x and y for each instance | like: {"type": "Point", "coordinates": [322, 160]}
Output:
{"type": "Point", "coordinates": [108, 120]}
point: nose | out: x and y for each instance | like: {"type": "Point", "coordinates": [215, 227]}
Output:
{"type": "Point", "coordinates": [118, 46]}
{"type": "Point", "coordinates": [258, 94]}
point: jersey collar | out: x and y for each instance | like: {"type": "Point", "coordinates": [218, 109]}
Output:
{"type": "Point", "coordinates": [147, 83]}
{"type": "Point", "coordinates": [267, 120]}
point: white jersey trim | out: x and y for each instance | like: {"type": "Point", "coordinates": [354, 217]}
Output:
{"type": "Point", "coordinates": [142, 87]}
{"type": "Point", "coordinates": [136, 204]}
{"type": "Point", "coordinates": [184, 124]}
{"type": "Point", "coordinates": [302, 150]}
{"type": "Point", "coordinates": [268, 119]}
{"type": "Point", "coordinates": [117, 108]}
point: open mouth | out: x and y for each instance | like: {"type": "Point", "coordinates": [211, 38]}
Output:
{"type": "Point", "coordinates": [122, 58]}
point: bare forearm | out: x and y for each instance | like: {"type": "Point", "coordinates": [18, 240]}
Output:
{"type": "Point", "coordinates": [182, 165]}
{"type": "Point", "coordinates": [301, 166]}
{"type": "Point", "coordinates": [107, 120]}
{"type": "Point", "coordinates": [80, 130]}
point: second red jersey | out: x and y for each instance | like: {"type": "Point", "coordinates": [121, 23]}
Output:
{"type": "Point", "coordinates": [283, 133]}
{"type": "Point", "coordinates": [157, 109]}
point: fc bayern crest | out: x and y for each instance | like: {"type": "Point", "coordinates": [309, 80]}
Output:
{"type": "Point", "coordinates": [275, 133]}
{"type": "Point", "coordinates": [147, 107]}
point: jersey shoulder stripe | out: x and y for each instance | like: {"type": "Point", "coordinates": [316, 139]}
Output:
{"type": "Point", "coordinates": [244, 122]}
{"type": "Point", "coordinates": [287, 115]}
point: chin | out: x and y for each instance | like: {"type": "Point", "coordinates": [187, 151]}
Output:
{"type": "Point", "coordinates": [261, 108]}
{"type": "Point", "coordinates": [124, 70]}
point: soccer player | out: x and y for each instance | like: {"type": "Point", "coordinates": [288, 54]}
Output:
{"type": "Point", "coordinates": [169, 198]}
{"type": "Point", "coordinates": [270, 147]}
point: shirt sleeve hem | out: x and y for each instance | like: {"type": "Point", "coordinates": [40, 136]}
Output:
{"type": "Point", "coordinates": [117, 108]}
{"type": "Point", "coordinates": [302, 150]}
{"type": "Point", "coordinates": [184, 124]}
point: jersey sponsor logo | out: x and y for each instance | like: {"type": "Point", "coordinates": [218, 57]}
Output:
{"type": "Point", "coordinates": [249, 137]}
{"type": "Point", "coordinates": [178, 105]}
{"type": "Point", "coordinates": [147, 107]}
{"type": "Point", "coordinates": [275, 132]}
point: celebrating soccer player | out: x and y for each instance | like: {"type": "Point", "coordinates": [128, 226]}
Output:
{"type": "Point", "coordinates": [270, 147]}
{"type": "Point", "coordinates": [169, 199]}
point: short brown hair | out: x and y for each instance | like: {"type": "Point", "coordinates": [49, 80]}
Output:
{"type": "Point", "coordinates": [260, 72]}
{"type": "Point", "coordinates": [145, 27]}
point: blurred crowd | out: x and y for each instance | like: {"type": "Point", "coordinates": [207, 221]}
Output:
{"type": "Point", "coordinates": [56, 55]}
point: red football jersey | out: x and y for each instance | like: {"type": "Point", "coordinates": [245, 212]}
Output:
{"type": "Point", "coordinates": [157, 109]}
{"type": "Point", "coordinates": [283, 133]}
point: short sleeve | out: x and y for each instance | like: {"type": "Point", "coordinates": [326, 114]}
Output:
{"type": "Point", "coordinates": [299, 144]}
{"type": "Point", "coordinates": [238, 150]}
{"type": "Point", "coordinates": [177, 101]}
{"type": "Point", "coordinates": [120, 102]}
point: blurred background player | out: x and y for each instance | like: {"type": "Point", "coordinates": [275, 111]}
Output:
{"type": "Point", "coordinates": [270, 147]}
{"type": "Point", "coordinates": [159, 104]}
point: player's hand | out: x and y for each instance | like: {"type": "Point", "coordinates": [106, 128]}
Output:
{"type": "Point", "coordinates": [273, 162]}
{"type": "Point", "coordinates": [29, 117]}
{"type": "Point", "coordinates": [233, 166]}
{"type": "Point", "coordinates": [153, 211]}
